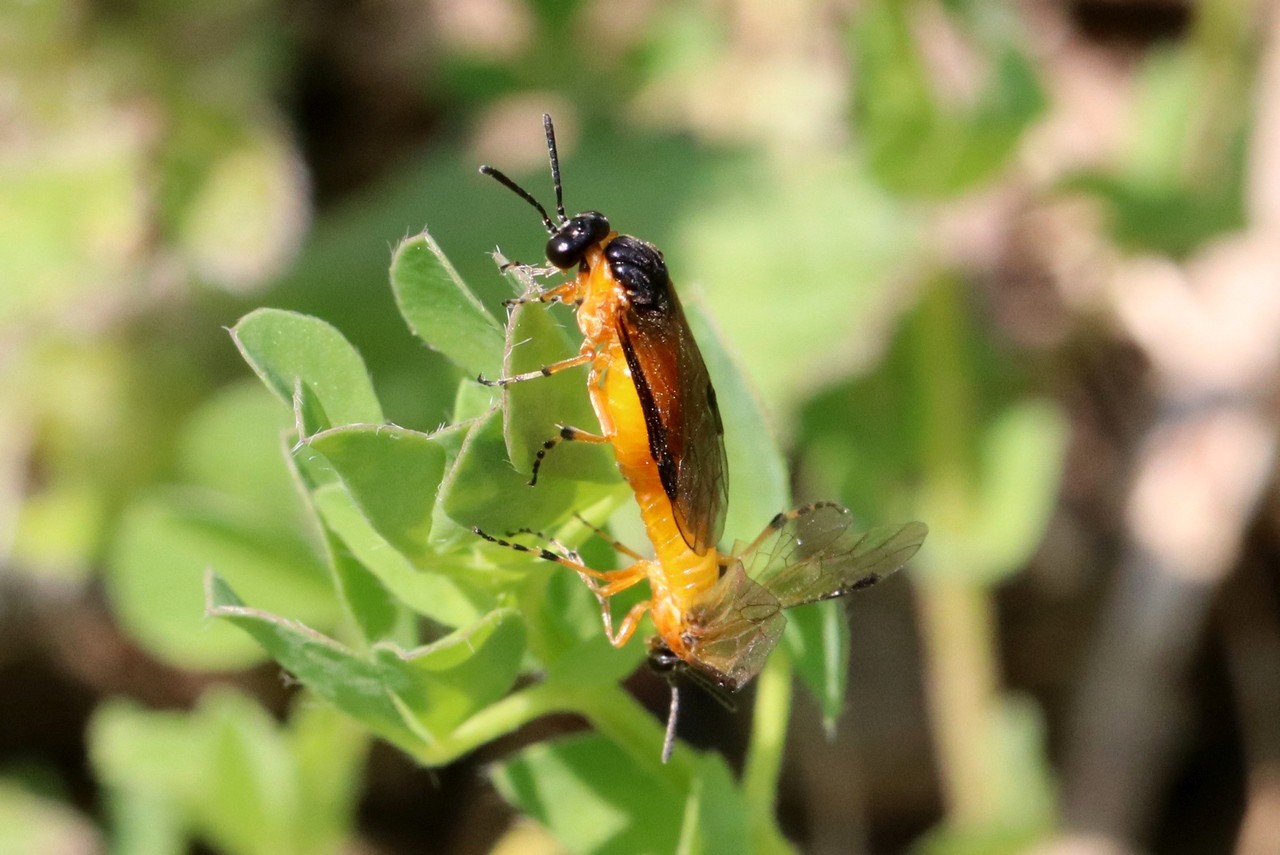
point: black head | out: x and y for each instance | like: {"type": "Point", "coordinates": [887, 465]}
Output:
{"type": "Point", "coordinates": [662, 661]}
{"type": "Point", "coordinates": [570, 242]}
{"type": "Point", "coordinates": [570, 237]}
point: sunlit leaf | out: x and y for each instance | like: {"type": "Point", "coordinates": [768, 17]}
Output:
{"type": "Point", "coordinates": [360, 688]}
{"type": "Point", "coordinates": [536, 408]}
{"type": "Point", "coordinates": [292, 352]}
{"type": "Point", "coordinates": [462, 672]}
{"type": "Point", "coordinates": [426, 589]}
{"type": "Point", "coordinates": [393, 475]}
{"type": "Point", "coordinates": [441, 309]}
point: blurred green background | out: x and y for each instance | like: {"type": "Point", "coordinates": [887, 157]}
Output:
{"type": "Point", "coordinates": [1007, 268]}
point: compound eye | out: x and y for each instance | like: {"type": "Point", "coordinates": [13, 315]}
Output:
{"type": "Point", "coordinates": [568, 245]}
{"type": "Point", "coordinates": [597, 227]}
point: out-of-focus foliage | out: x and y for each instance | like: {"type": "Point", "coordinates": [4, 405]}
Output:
{"type": "Point", "coordinates": [917, 143]}
{"type": "Point", "coordinates": [157, 163]}
{"type": "Point", "coordinates": [144, 160]}
{"type": "Point", "coordinates": [1182, 180]}
{"type": "Point", "coordinates": [227, 773]}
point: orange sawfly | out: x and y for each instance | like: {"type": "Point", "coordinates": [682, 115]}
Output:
{"type": "Point", "coordinates": [648, 383]}
{"type": "Point", "coordinates": [718, 616]}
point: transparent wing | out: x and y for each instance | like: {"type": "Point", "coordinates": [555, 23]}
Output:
{"type": "Point", "coordinates": [732, 630]}
{"type": "Point", "coordinates": [809, 554]}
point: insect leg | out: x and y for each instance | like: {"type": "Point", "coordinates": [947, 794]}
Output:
{"type": "Point", "coordinates": [779, 520]}
{"type": "Point", "coordinates": [544, 371]}
{"type": "Point", "coordinates": [566, 293]}
{"type": "Point", "coordinates": [548, 555]}
{"type": "Point", "coordinates": [614, 580]}
{"type": "Point", "coordinates": [617, 546]}
{"type": "Point", "coordinates": [621, 581]}
{"type": "Point", "coordinates": [571, 554]}
{"type": "Point", "coordinates": [567, 434]}
{"type": "Point", "coordinates": [629, 623]}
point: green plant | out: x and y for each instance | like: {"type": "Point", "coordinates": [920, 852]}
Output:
{"type": "Point", "coordinates": [511, 638]}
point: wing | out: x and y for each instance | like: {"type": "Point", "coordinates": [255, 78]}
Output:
{"type": "Point", "coordinates": [733, 629]}
{"type": "Point", "coordinates": [809, 554]}
{"type": "Point", "coordinates": [686, 436]}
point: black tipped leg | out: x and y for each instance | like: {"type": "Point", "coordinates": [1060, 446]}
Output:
{"type": "Point", "coordinates": [567, 434]}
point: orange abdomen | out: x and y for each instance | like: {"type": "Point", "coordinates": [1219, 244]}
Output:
{"type": "Point", "coordinates": [685, 573]}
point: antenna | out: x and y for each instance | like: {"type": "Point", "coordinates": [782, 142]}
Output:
{"type": "Point", "coordinates": [555, 165]}
{"type": "Point", "coordinates": [669, 741]}
{"type": "Point", "coordinates": [523, 194]}
{"type": "Point", "coordinates": [555, 181]}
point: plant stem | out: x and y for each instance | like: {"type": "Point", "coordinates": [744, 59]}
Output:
{"type": "Point", "coordinates": [765, 752]}
{"type": "Point", "coordinates": [497, 719]}
{"type": "Point", "coordinates": [956, 617]}
{"type": "Point", "coordinates": [958, 628]}
{"type": "Point", "coordinates": [630, 726]}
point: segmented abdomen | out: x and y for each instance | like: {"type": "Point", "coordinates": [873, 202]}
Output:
{"type": "Point", "coordinates": [686, 574]}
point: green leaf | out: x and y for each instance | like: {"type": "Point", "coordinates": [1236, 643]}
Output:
{"type": "Point", "coordinates": [818, 638]}
{"type": "Point", "coordinates": [1169, 219]}
{"type": "Point", "coordinates": [134, 747]}
{"type": "Point", "coordinates": [758, 480]}
{"type": "Point", "coordinates": [830, 232]}
{"type": "Point", "coordinates": [329, 751]}
{"type": "Point", "coordinates": [428, 590]}
{"type": "Point", "coordinates": [229, 775]}
{"type": "Point", "coordinates": [164, 546]}
{"type": "Point", "coordinates": [536, 408]}
{"type": "Point", "coordinates": [594, 661]}
{"type": "Point", "coordinates": [473, 401]}
{"type": "Point", "coordinates": [462, 672]}
{"type": "Point", "coordinates": [716, 819]}
{"type": "Point", "coordinates": [390, 693]}
{"type": "Point", "coordinates": [233, 444]}
{"type": "Point", "coordinates": [362, 689]}
{"type": "Point", "coordinates": [565, 632]}
{"type": "Point", "coordinates": [1024, 451]}
{"type": "Point", "coordinates": [242, 223]}
{"type": "Point", "coordinates": [153, 766]}
{"type": "Point", "coordinates": [250, 800]}
{"type": "Point", "coordinates": [441, 309]}
{"type": "Point", "coordinates": [916, 143]}
{"type": "Point", "coordinates": [592, 795]}
{"type": "Point", "coordinates": [363, 596]}
{"type": "Point", "coordinates": [483, 489]}
{"type": "Point", "coordinates": [143, 822]}
{"type": "Point", "coordinates": [448, 534]}
{"type": "Point", "coordinates": [296, 354]}
{"type": "Point", "coordinates": [393, 475]}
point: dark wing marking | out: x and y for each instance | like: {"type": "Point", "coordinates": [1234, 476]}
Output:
{"type": "Point", "coordinates": [811, 555]}
{"type": "Point", "coordinates": [732, 630]}
{"type": "Point", "coordinates": [686, 436]}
